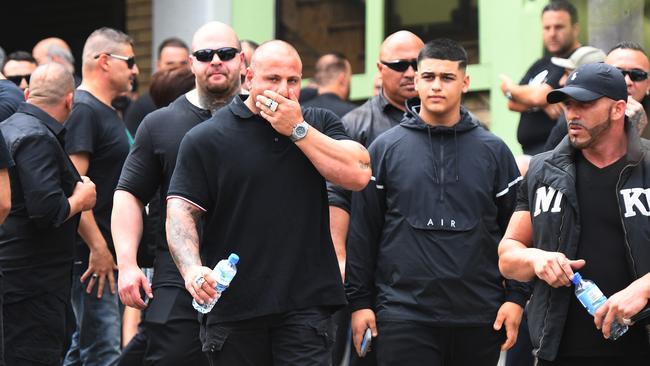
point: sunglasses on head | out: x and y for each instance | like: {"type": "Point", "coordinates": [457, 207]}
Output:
{"type": "Point", "coordinates": [16, 79]}
{"type": "Point", "coordinates": [635, 74]}
{"type": "Point", "coordinates": [224, 53]}
{"type": "Point", "coordinates": [130, 61]}
{"type": "Point", "coordinates": [401, 65]}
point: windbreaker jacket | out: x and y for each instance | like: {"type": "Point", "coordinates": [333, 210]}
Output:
{"type": "Point", "coordinates": [423, 237]}
{"type": "Point", "coordinates": [553, 202]}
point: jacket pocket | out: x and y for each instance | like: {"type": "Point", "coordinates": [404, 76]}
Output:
{"type": "Point", "coordinates": [326, 330]}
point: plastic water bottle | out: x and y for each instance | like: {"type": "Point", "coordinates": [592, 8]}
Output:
{"type": "Point", "coordinates": [224, 272]}
{"type": "Point", "coordinates": [592, 298]}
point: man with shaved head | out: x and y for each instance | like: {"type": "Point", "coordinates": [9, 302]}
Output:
{"type": "Point", "coordinates": [98, 145]}
{"type": "Point", "coordinates": [170, 327]}
{"type": "Point", "coordinates": [37, 240]}
{"type": "Point", "coordinates": [253, 177]}
{"type": "Point", "coordinates": [397, 66]}
{"type": "Point", "coordinates": [333, 79]}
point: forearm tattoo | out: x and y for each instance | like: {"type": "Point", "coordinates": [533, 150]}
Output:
{"type": "Point", "coordinates": [182, 234]}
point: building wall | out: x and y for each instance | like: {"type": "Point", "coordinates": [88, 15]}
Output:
{"type": "Point", "coordinates": [138, 26]}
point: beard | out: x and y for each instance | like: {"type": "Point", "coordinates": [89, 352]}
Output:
{"type": "Point", "coordinates": [594, 133]}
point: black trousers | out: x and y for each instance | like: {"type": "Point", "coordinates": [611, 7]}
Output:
{"type": "Point", "coordinates": [35, 330]}
{"type": "Point", "coordinates": [411, 343]}
{"type": "Point", "coordinates": [169, 333]}
{"type": "Point", "coordinates": [597, 361]}
{"type": "Point", "coordinates": [300, 337]}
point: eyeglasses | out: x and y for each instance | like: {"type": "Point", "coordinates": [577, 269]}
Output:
{"type": "Point", "coordinates": [401, 65]}
{"type": "Point", "coordinates": [634, 74]}
{"type": "Point", "coordinates": [130, 61]}
{"type": "Point", "coordinates": [16, 79]}
{"type": "Point", "coordinates": [224, 53]}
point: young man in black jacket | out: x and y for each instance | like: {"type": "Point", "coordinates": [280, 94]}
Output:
{"type": "Point", "coordinates": [422, 268]}
{"type": "Point", "coordinates": [584, 206]}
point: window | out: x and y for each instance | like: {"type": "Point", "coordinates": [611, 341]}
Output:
{"type": "Point", "coordinates": [316, 27]}
{"type": "Point", "coordinates": [430, 19]}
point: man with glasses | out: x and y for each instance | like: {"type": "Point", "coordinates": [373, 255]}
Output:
{"type": "Point", "coordinates": [396, 65]}
{"type": "Point", "coordinates": [18, 68]}
{"type": "Point", "coordinates": [170, 327]}
{"type": "Point", "coordinates": [98, 145]}
{"type": "Point", "coordinates": [632, 61]}
{"type": "Point", "coordinates": [584, 206]}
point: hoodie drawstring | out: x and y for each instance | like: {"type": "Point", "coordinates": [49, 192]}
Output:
{"type": "Point", "coordinates": [433, 158]}
{"type": "Point", "coordinates": [456, 154]}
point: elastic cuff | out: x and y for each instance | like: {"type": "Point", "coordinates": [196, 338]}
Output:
{"type": "Point", "coordinates": [517, 297]}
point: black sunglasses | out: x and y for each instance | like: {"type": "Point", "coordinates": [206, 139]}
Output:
{"type": "Point", "coordinates": [401, 65]}
{"type": "Point", "coordinates": [16, 79]}
{"type": "Point", "coordinates": [225, 54]}
{"type": "Point", "coordinates": [130, 61]}
{"type": "Point", "coordinates": [634, 74]}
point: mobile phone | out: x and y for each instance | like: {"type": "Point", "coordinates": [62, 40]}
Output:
{"type": "Point", "coordinates": [365, 343]}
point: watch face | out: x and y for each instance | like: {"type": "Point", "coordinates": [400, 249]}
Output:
{"type": "Point", "coordinates": [300, 130]}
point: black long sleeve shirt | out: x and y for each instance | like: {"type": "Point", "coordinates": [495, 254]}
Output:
{"type": "Point", "coordinates": [37, 239]}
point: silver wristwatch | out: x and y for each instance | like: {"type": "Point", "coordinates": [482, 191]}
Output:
{"type": "Point", "coordinates": [299, 131]}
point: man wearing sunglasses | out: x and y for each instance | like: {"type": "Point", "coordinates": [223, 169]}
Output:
{"type": "Point", "coordinates": [97, 143]}
{"type": "Point", "coordinates": [169, 332]}
{"type": "Point", "coordinates": [18, 68]}
{"type": "Point", "coordinates": [632, 61]}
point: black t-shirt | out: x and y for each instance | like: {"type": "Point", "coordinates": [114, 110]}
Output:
{"type": "Point", "coordinates": [264, 200]}
{"type": "Point", "coordinates": [10, 99]}
{"type": "Point", "coordinates": [150, 165]}
{"type": "Point", "coordinates": [332, 102]}
{"type": "Point", "coordinates": [137, 110]}
{"type": "Point", "coordinates": [96, 129]}
{"type": "Point", "coordinates": [535, 125]}
{"type": "Point", "coordinates": [602, 246]}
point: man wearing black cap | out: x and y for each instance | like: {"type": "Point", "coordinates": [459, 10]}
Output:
{"type": "Point", "coordinates": [584, 205]}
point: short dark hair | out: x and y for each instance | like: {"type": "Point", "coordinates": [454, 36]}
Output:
{"type": "Point", "coordinates": [628, 45]}
{"type": "Point", "coordinates": [21, 56]}
{"type": "Point", "coordinates": [172, 42]}
{"type": "Point", "coordinates": [562, 5]}
{"type": "Point", "coordinates": [169, 84]}
{"type": "Point", "coordinates": [444, 49]}
{"type": "Point", "coordinates": [326, 72]}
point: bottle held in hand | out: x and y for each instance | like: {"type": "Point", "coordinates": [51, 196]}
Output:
{"type": "Point", "coordinates": [592, 298]}
{"type": "Point", "coordinates": [224, 272]}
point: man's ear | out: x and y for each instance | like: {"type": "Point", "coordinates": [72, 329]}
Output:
{"type": "Point", "coordinates": [26, 93]}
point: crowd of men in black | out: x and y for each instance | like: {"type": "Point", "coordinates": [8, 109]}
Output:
{"type": "Point", "coordinates": [403, 216]}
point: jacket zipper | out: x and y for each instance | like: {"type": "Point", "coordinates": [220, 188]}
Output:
{"type": "Point", "coordinates": [548, 306]}
{"type": "Point", "coordinates": [442, 167]}
{"type": "Point", "coordinates": [620, 214]}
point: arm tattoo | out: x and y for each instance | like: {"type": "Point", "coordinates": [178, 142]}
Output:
{"type": "Point", "coordinates": [182, 234]}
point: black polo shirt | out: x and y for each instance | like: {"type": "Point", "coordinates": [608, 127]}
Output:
{"type": "Point", "coordinates": [265, 201]}
{"type": "Point", "coordinates": [150, 165]}
{"type": "Point", "coordinates": [36, 240]}
{"type": "Point", "coordinates": [95, 128]}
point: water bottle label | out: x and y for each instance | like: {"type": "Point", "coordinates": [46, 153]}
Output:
{"type": "Point", "coordinates": [592, 298]}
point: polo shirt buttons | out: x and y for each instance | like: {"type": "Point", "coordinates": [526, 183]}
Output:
{"type": "Point", "coordinates": [275, 139]}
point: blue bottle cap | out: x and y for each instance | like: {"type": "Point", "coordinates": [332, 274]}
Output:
{"type": "Point", "coordinates": [233, 258]}
{"type": "Point", "coordinates": [576, 278]}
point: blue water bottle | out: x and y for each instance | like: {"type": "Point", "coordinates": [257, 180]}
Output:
{"type": "Point", "coordinates": [224, 272]}
{"type": "Point", "coordinates": [592, 298]}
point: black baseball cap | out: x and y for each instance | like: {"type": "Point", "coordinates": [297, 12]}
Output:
{"type": "Point", "coordinates": [590, 82]}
